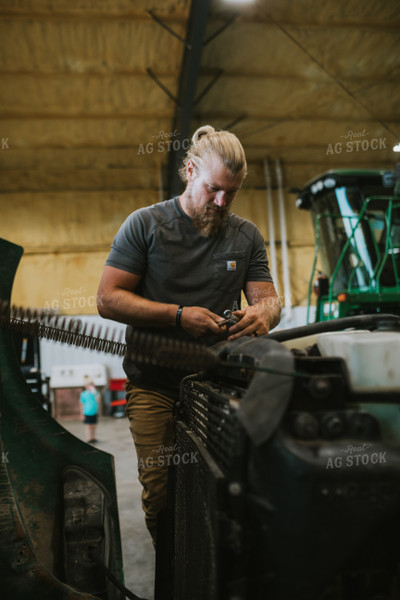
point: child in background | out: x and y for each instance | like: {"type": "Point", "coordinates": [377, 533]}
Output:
{"type": "Point", "coordinates": [89, 407]}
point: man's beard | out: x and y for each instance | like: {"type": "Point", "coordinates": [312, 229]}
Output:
{"type": "Point", "coordinates": [205, 220]}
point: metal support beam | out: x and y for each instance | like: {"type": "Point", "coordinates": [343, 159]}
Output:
{"type": "Point", "coordinates": [232, 124]}
{"type": "Point", "coordinates": [220, 30]}
{"type": "Point", "coordinates": [162, 86]}
{"type": "Point", "coordinates": [187, 89]}
{"type": "Point", "coordinates": [209, 86]}
{"type": "Point", "coordinates": [165, 26]}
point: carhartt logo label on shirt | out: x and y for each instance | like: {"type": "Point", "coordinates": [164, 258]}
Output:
{"type": "Point", "coordinates": [231, 265]}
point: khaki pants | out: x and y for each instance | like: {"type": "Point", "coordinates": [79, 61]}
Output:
{"type": "Point", "coordinates": [151, 424]}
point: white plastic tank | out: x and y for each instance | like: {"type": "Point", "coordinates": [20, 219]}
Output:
{"type": "Point", "coordinates": [372, 358]}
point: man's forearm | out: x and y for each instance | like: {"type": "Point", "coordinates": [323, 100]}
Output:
{"type": "Point", "coordinates": [267, 301]}
{"type": "Point", "coordinates": [131, 309]}
{"type": "Point", "coordinates": [272, 307]}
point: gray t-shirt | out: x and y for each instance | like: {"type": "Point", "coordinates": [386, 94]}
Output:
{"type": "Point", "coordinates": [180, 266]}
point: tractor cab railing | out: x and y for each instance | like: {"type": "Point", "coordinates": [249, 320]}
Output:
{"type": "Point", "coordinates": [366, 246]}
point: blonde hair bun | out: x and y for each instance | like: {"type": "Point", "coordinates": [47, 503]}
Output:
{"type": "Point", "coordinates": [201, 131]}
{"type": "Point", "coordinates": [221, 145]}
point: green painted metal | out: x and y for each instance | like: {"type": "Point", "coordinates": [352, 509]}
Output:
{"type": "Point", "coordinates": [366, 296]}
{"type": "Point", "coordinates": [313, 268]}
{"type": "Point", "coordinates": [35, 450]}
{"type": "Point", "coordinates": [373, 296]}
{"type": "Point", "coordinates": [358, 303]}
{"type": "Point", "coordinates": [375, 280]}
{"type": "Point", "coordinates": [388, 247]}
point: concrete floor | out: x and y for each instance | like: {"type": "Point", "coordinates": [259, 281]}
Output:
{"type": "Point", "coordinates": [137, 549]}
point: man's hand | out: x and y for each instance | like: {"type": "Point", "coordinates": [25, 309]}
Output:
{"type": "Point", "coordinates": [252, 321]}
{"type": "Point", "coordinates": [200, 322]}
{"type": "Point", "coordinates": [262, 314]}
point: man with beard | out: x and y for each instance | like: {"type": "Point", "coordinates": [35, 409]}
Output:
{"type": "Point", "coordinates": [173, 269]}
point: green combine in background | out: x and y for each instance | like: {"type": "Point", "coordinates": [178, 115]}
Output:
{"type": "Point", "coordinates": [356, 217]}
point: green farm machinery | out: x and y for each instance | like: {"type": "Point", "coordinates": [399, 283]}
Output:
{"type": "Point", "coordinates": [356, 216]}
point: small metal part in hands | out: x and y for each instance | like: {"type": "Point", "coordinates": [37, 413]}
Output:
{"type": "Point", "coordinates": [229, 320]}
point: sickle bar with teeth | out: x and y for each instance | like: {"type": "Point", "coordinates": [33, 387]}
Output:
{"type": "Point", "coordinates": [145, 348]}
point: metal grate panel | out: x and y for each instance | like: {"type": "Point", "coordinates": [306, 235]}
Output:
{"type": "Point", "coordinates": [199, 498]}
{"type": "Point", "coordinates": [208, 413]}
